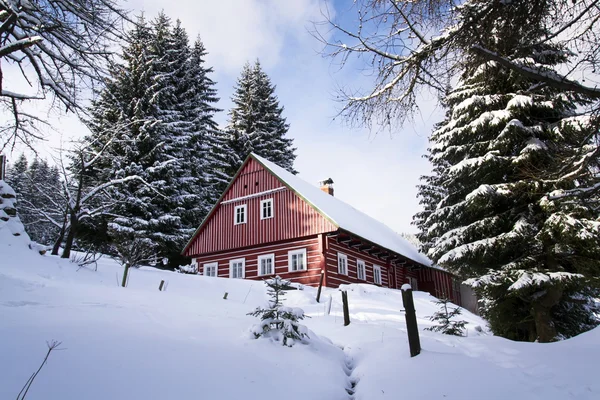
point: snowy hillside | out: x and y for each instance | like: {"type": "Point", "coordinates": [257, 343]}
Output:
{"type": "Point", "coordinates": [190, 343]}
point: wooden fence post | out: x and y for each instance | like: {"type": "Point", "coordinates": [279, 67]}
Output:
{"type": "Point", "coordinates": [345, 307]}
{"type": "Point", "coordinates": [329, 301]}
{"type": "Point", "coordinates": [125, 273]}
{"type": "Point", "coordinates": [412, 329]}
{"type": "Point", "coordinates": [320, 286]}
{"type": "Point", "coordinates": [160, 287]}
{"type": "Point", "coordinates": [225, 296]}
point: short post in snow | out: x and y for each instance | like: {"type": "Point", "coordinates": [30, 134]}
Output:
{"type": "Point", "coordinates": [162, 283]}
{"type": "Point", "coordinates": [125, 275]}
{"type": "Point", "coordinates": [329, 300]}
{"type": "Point", "coordinates": [320, 286]}
{"type": "Point", "coordinates": [345, 308]}
{"type": "Point", "coordinates": [412, 329]}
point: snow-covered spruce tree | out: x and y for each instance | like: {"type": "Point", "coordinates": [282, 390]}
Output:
{"type": "Point", "coordinates": [124, 123]}
{"type": "Point", "coordinates": [279, 323]}
{"type": "Point", "coordinates": [504, 204]}
{"type": "Point", "coordinates": [162, 101]}
{"type": "Point", "coordinates": [256, 123]}
{"type": "Point", "coordinates": [445, 320]}
{"type": "Point", "coordinates": [40, 202]}
{"type": "Point", "coordinates": [206, 150]}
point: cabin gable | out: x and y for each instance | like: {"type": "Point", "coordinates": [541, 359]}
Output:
{"type": "Point", "coordinates": [253, 189]}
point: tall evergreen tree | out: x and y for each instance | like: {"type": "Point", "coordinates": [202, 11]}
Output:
{"type": "Point", "coordinates": [256, 122]}
{"type": "Point", "coordinates": [39, 202]}
{"type": "Point", "coordinates": [205, 149]}
{"type": "Point", "coordinates": [160, 105]}
{"type": "Point", "coordinates": [502, 205]}
{"type": "Point", "coordinates": [16, 175]}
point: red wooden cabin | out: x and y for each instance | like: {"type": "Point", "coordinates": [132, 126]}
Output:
{"type": "Point", "coordinates": [268, 221]}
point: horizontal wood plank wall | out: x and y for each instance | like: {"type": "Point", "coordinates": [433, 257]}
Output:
{"type": "Point", "coordinates": [309, 277]}
{"type": "Point", "coordinates": [292, 216]}
{"type": "Point", "coordinates": [334, 279]}
{"type": "Point", "coordinates": [402, 275]}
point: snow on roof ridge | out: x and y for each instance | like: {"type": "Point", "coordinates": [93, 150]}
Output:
{"type": "Point", "coordinates": [346, 217]}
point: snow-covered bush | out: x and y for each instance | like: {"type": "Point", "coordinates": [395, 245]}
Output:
{"type": "Point", "coordinates": [444, 320]}
{"type": "Point", "coordinates": [187, 269]}
{"type": "Point", "coordinates": [279, 323]}
{"type": "Point", "coordinates": [8, 211]}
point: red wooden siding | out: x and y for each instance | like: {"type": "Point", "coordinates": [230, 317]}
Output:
{"type": "Point", "coordinates": [251, 180]}
{"type": "Point", "coordinates": [294, 225]}
{"type": "Point", "coordinates": [438, 283]}
{"type": "Point", "coordinates": [310, 276]}
{"type": "Point", "coordinates": [334, 279]}
{"type": "Point", "coordinates": [292, 216]}
{"type": "Point", "coordinates": [402, 273]}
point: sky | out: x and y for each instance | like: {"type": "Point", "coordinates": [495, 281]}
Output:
{"type": "Point", "coordinates": [376, 172]}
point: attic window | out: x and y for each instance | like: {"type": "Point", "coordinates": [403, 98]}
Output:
{"type": "Point", "coordinates": [239, 215]}
{"type": "Point", "coordinates": [266, 209]}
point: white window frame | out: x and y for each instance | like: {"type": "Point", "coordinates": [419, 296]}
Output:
{"type": "Point", "coordinates": [235, 213]}
{"type": "Point", "coordinates": [262, 203]}
{"type": "Point", "coordinates": [344, 257]}
{"type": "Point", "coordinates": [360, 263]}
{"type": "Point", "coordinates": [375, 275]}
{"type": "Point", "coordinates": [237, 260]}
{"type": "Point", "coordinates": [266, 257]}
{"type": "Point", "coordinates": [205, 266]}
{"type": "Point", "coordinates": [291, 253]}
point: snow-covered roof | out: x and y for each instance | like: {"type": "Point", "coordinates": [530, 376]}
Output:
{"type": "Point", "coordinates": [346, 217]}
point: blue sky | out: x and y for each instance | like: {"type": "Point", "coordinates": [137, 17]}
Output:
{"type": "Point", "coordinates": [376, 173]}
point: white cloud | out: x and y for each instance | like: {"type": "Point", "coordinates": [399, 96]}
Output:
{"type": "Point", "coordinates": [235, 31]}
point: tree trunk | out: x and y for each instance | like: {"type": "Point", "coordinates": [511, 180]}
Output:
{"type": "Point", "coordinates": [541, 310]}
{"type": "Point", "coordinates": [61, 237]}
{"type": "Point", "coordinates": [70, 237]}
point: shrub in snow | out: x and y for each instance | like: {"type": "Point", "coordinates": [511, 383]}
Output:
{"type": "Point", "coordinates": [187, 269]}
{"type": "Point", "coordinates": [444, 319]}
{"type": "Point", "coordinates": [279, 323]}
{"type": "Point", "coordinates": [133, 253]}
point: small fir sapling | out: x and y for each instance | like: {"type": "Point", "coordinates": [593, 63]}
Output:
{"type": "Point", "coordinates": [444, 319]}
{"type": "Point", "coordinates": [279, 323]}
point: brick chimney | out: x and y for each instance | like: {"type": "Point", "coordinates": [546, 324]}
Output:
{"type": "Point", "coordinates": [327, 186]}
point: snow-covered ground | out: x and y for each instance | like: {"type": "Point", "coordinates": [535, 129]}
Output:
{"type": "Point", "coordinates": [189, 343]}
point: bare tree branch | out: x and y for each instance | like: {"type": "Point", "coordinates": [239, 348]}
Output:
{"type": "Point", "coordinates": [59, 48]}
